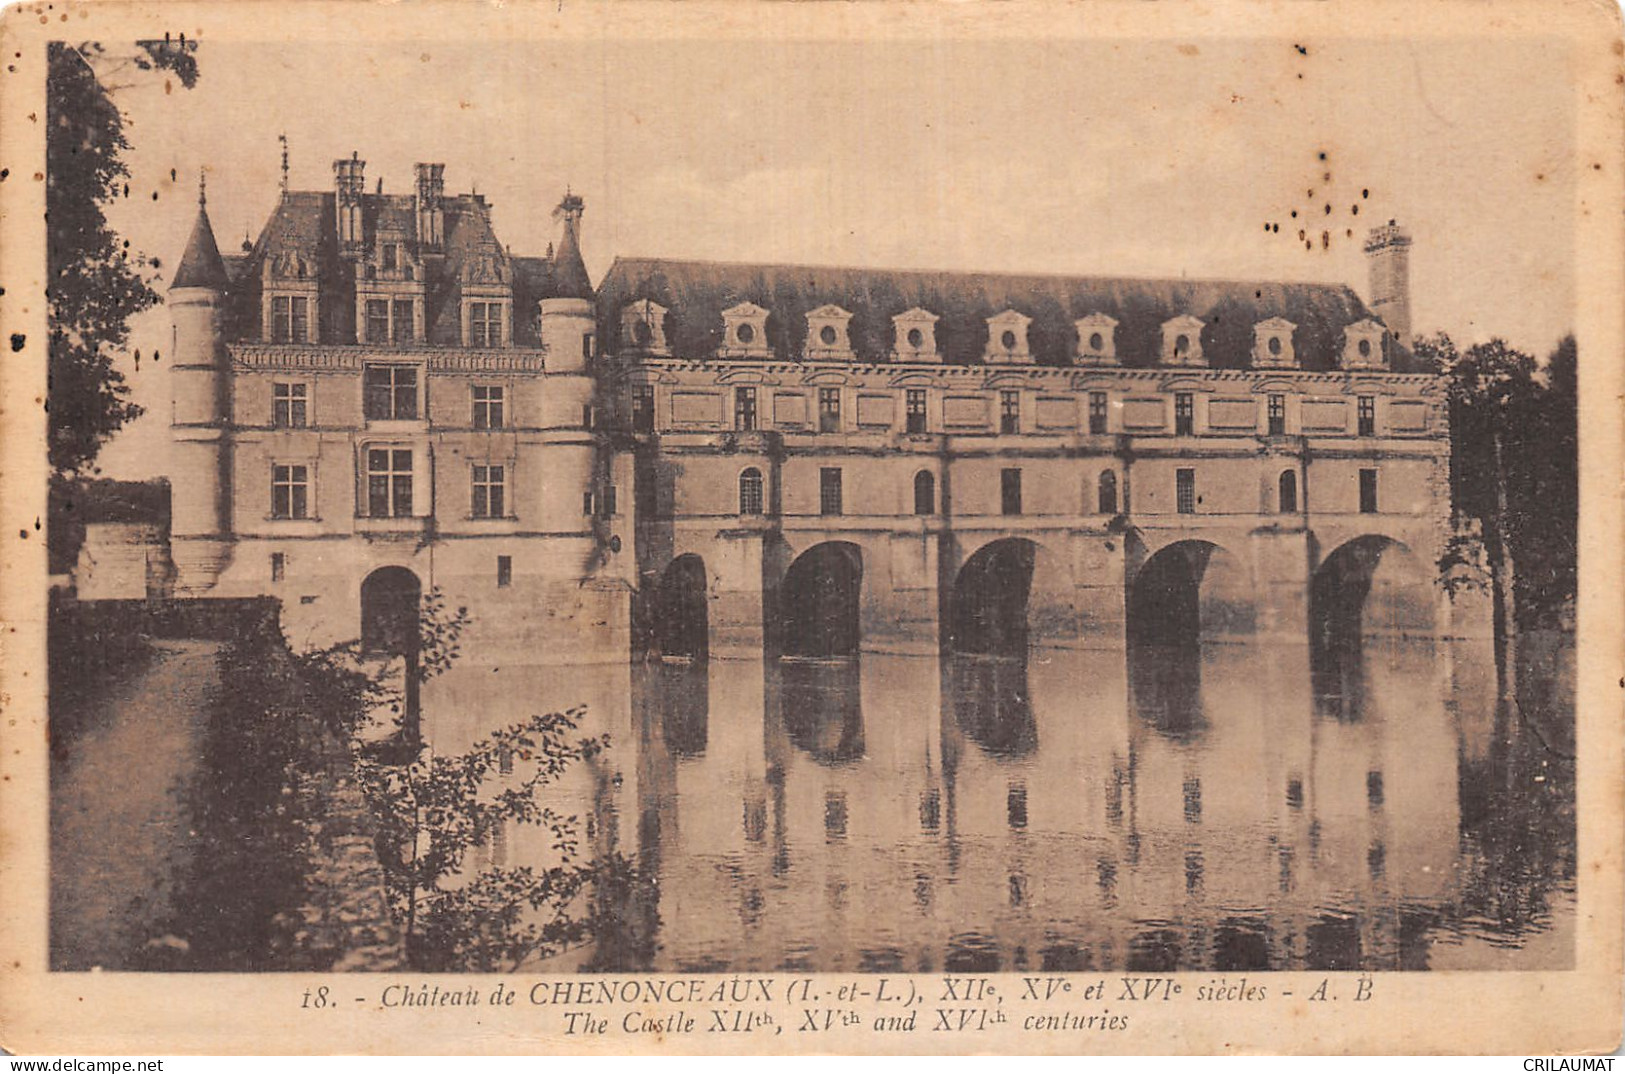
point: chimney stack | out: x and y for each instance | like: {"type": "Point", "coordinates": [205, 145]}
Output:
{"type": "Point", "coordinates": [349, 182]}
{"type": "Point", "coordinates": [431, 212]}
{"type": "Point", "coordinates": [1388, 255]}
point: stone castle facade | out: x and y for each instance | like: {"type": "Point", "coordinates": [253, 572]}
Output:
{"type": "Point", "coordinates": [376, 399]}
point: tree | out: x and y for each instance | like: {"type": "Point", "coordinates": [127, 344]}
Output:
{"type": "Point", "coordinates": [434, 810]}
{"type": "Point", "coordinates": [96, 282]}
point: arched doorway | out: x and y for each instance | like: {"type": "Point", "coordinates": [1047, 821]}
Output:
{"type": "Point", "coordinates": [391, 605]}
{"type": "Point", "coordinates": [682, 620]}
{"type": "Point", "coordinates": [819, 602]}
{"type": "Point", "coordinates": [992, 597]}
{"type": "Point", "coordinates": [390, 599]}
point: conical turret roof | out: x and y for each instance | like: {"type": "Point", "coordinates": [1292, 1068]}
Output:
{"type": "Point", "coordinates": [569, 277]}
{"type": "Point", "coordinates": [201, 265]}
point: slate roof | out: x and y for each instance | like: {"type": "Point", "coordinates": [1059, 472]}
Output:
{"type": "Point", "coordinates": [696, 293]}
{"type": "Point", "coordinates": [201, 265]}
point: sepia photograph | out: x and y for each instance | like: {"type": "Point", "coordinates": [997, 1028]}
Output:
{"type": "Point", "coordinates": [614, 502]}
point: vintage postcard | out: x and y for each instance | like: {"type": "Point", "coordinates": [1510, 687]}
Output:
{"type": "Point", "coordinates": [587, 527]}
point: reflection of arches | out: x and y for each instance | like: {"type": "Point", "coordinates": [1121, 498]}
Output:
{"type": "Point", "coordinates": [993, 704]}
{"type": "Point", "coordinates": [822, 708]}
{"type": "Point", "coordinates": [682, 625]}
{"type": "Point", "coordinates": [1287, 492]}
{"type": "Point", "coordinates": [925, 493]}
{"type": "Point", "coordinates": [1165, 689]}
{"type": "Point", "coordinates": [1188, 591]}
{"type": "Point", "coordinates": [819, 601]}
{"type": "Point", "coordinates": [390, 598]}
{"type": "Point", "coordinates": [991, 598]}
{"type": "Point", "coordinates": [683, 692]}
{"type": "Point", "coordinates": [1106, 493]}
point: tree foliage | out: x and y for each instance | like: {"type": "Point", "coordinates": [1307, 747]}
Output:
{"type": "Point", "coordinates": [96, 282]}
{"type": "Point", "coordinates": [1504, 406]}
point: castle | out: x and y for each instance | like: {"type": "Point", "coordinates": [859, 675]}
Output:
{"type": "Point", "coordinates": [376, 399]}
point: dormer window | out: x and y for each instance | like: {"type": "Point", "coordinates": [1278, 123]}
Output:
{"type": "Point", "coordinates": [392, 257]}
{"type": "Point", "coordinates": [485, 324]}
{"type": "Point", "coordinates": [1272, 344]}
{"type": "Point", "coordinates": [1007, 339]}
{"type": "Point", "coordinates": [744, 332]}
{"type": "Point", "coordinates": [1362, 345]}
{"type": "Point", "coordinates": [643, 327]}
{"type": "Point", "coordinates": [1182, 341]}
{"type": "Point", "coordinates": [916, 336]}
{"type": "Point", "coordinates": [1097, 339]}
{"type": "Point", "coordinates": [827, 335]}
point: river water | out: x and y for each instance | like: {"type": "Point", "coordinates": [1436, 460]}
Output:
{"type": "Point", "coordinates": [1221, 808]}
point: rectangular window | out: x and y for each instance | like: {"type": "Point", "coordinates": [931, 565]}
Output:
{"type": "Point", "coordinates": [490, 492]}
{"type": "Point", "coordinates": [290, 491]}
{"type": "Point", "coordinates": [607, 502]}
{"type": "Point", "coordinates": [643, 408]}
{"type": "Point", "coordinates": [288, 405]}
{"type": "Point", "coordinates": [400, 329]}
{"type": "Point", "coordinates": [1185, 491]}
{"type": "Point", "coordinates": [488, 400]}
{"type": "Point", "coordinates": [391, 392]}
{"type": "Point", "coordinates": [1009, 411]}
{"type": "Point", "coordinates": [504, 572]}
{"type": "Point", "coordinates": [1368, 415]}
{"type": "Point", "coordinates": [1184, 414]}
{"type": "Point", "coordinates": [1277, 414]}
{"type": "Point", "coordinates": [744, 409]}
{"type": "Point", "coordinates": [279, 566]}
{"type": "Point", "coordinates": [392, 256]}
{"type": "Point", "coordinates": [377, 320]}
{"type": "Point", "coordinates": [1010, 491]}
{"type": "Point", "coordinates": [1368, 492]}
{"type": "Point", "coordinates": [1097, 412]}
{"type": "Point", "coordinates": [829, 410]}
{"type": "Point", "coordinates": [290, 320]}
{"type": "Point", "coordinates": [389, 482]}
{"type": "Point", "coordinates": [485, 324]}
{"type": "Point", "coordinates": [914, 409]}
{"type": "Point", "coordinates": [829, 490]}
{"type": "Point", "coordinates": [586, 502]}
{"type": "Point", "coordinates": [586, 346]}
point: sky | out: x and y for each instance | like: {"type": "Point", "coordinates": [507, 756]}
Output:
{"type": "Point", "coordinates": [1142, 158]}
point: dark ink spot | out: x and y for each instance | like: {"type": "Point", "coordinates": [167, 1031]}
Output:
{"type": "Point", "coordinates": [1323, 155]}
{"type": "Point", "coordinates": [1354, 210]}
{"type": "Point", "coordinates": [19, 340]}
{"type": "Point", "coordinates": [23, 534]}
{"type": "Point", "coordinates": [4, 174]}
{"type": "Point", "coordinates": [1302, 51]}
{"type": "Point", "coordinates": [1365, 193]}
{"type": "Point", "coordinates": [1294, 214]}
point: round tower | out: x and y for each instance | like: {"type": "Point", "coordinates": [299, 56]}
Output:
{"type": "Point", "coordinates": [570, 491]}
{"type": "Point", "coordinates": [200, 517]}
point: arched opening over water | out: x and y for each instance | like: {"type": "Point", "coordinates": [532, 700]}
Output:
{"type": "Point", "coordinates": [1189, 592]}
{"type": "Point", "coordinates": [682, 622]}
{"type": "Point", "coordinates": [992, 598]}
{"type": "Point", "coordinates": [818, 602]}
{"type": "Point", "coordinates": [390, 600]}
{"type": "Point", "coordinates": [1368, 588]}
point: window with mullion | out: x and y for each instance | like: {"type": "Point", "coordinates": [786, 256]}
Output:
{"type": "Point", "coordinates": [377, 320]}
{"type": "Point", "coordinates": [829, 410]}
{"type": "Point", "coordinates": [390, 392]}
{"type": "Point", "coordinates": [389, 482]}
{"type": "Point", "coordinates": [914, 406]}
{"type": "Point", "coordinates": [490, 492]}
{"type": "Point", "coordinates": [488, 405]}
{"type": "Point", "coordinates": [290, 491]}
{"type": "Point", "coordinates": [288, 405]}
{"type": "Point", "coordinates": [485, 324]}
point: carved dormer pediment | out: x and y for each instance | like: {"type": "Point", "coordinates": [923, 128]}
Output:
{"type": "Point", "coordinates": [828, 337]}
{"type": "Point", "coordinates": [1007, 339]}
{"type": "Point", "coordinates": [643, 328]}
{"type": "Point", "coordinates": [1362, 345]}
{"type": "Point", "coordinates": [744, 332]}
{"type": "Point", "coordinates": [1097, 339]}
{"type": "Point", "coordinates": [1182, 341]}
{"type": "Point", "coordinates": [1272, 344]}
{"type": "Point", "coordinates": [916, 336]}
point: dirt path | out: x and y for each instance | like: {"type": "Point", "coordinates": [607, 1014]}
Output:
{"type": "Point", "coordinates": [121, 833]}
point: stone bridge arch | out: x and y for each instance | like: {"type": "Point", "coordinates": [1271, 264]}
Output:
{"type": "Point", "coordinates": [1188, 590]}
{"type": "Point", "coordinates": [1009, 594]}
